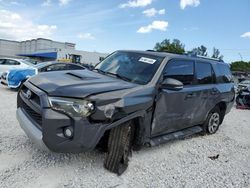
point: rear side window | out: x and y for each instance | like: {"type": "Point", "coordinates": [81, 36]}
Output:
{"type": "Point", "coordinates": [11, 62]}
{"type": "Point", "coordinates": [57, 67]}
{"type": "Point", "coordinates": [204, 73]}
{"type": "Point", "coordinates": [182, 70]}
{"type": "Point", "coordinates": [74, 67]}
{"type": "Point", "coordinates": [224, 74]}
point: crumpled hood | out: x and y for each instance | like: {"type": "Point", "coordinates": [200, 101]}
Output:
{"type": "Point", "coordinates": [77, 83]}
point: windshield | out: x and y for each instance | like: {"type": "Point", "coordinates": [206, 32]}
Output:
{"type": "Point", "coordinates": [130, 66]}
{"type": "Point", "coordinates": [26, 62]}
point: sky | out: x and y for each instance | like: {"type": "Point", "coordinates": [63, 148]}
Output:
{"type": "Point", "coordinates": [106, 26]}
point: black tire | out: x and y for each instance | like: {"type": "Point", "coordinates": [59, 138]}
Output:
{"type": "Point", "coordinates": [119, 148]}
{"type": "Point", "coordinates": [237, 100]}
{"type": "Point", "coordinates": [213, 121]}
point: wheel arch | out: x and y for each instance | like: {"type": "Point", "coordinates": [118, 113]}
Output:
{"type": "Point", "coordinates": [137, 121]}
{"type": "Point", "coordinates": [222, 106]}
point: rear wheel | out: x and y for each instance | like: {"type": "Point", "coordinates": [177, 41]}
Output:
{"type": "Point", "coordinates": [213, 121]}
{"type": "Point", "coordinates": [119, 148]}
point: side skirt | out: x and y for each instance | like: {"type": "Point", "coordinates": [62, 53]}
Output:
{"type": "Point", "coordinates": [175, 135]}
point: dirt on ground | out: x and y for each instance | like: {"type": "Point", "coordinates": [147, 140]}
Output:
{"type": "Point", "coordinates": [219, 160]}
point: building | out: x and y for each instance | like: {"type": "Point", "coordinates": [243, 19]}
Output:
{"type": "Point", "coordinates": [48, 50]}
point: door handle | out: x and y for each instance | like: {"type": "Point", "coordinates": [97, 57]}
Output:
{"type": "Point", "coordinates": [214, 91]}
{"type": "Point", "coordinates": [190, 95]}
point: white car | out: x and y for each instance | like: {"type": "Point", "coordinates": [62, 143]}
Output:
{"type": "Point", "coordinates": [243, 85]}
{"type": "Point", "coordinates": [10, 63]}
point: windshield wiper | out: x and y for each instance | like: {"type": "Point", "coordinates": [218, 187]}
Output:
{"type": "Point", "coordinates": [100, 71]}
{"type": "Point", "coordinates": [119, 76]}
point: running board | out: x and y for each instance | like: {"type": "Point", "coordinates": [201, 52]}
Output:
{"type": "Point", "coordinates": [175, 135]}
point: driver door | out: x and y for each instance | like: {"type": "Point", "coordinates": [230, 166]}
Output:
{"type": "Point", "coordinates": [174, 110]}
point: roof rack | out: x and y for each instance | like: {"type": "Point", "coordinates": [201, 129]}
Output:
{"type": "Point", "coordinates": [192, 55]}
{"type": "Point", "coordinates": [210, 58]}
{"type": "Point", "coordinates": [204, 57]}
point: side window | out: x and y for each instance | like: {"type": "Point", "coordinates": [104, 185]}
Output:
{"type": "Point", "coordinates": [224, 74]}
{"type": "Point", "coordinates": [182, 70]}
{"type": "Point", "coordinates": [11, 62]}
{"type": "Point", "coordinates": [74, 67]}
{"type": "Point", "coordinates": [2, 61]}
{"type": "Point", "coordinates": [56, 67]}
{"type": "Point", "coordinates": [204, 73]}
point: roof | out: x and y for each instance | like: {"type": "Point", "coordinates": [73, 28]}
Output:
{"type": "Point", "coordinates": [16, 59]}
{"type": "Point", "coordinates": [173, 55]}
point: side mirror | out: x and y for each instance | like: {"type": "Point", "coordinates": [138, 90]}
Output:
{"type": "Point", "coordinates": [172, 84]}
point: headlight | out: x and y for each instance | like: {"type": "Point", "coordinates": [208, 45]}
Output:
{"type": "Point", "coordinates": [73, 107]}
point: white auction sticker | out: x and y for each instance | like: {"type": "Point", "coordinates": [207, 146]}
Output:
{"type": "Point", "coordinates": [147, 60]}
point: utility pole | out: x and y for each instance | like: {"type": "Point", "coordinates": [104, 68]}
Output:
{"type": "Point", "coordinates": [240, 56]}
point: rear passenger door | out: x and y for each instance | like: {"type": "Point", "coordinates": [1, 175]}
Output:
{"type": "Point", "coordinates": [205, 88]}
{"type": "Point", "coordinates": [176, 110]}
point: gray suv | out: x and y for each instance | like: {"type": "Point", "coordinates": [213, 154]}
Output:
{"type": "Point", "coordinates": [130, 99]}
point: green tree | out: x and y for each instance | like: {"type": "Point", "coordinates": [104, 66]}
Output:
{"type": "Point", "coordinates": [216, 54]}
{"type": "Point", "coordinates": [173, 47]}
{"type": "Point", "coordinates": [201, 50]}
{"type": "Point", "coordinates": [240, 66]}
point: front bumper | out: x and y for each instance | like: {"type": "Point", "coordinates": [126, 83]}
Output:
{"type": "Point", "coordinates": [31, 131]}
{"type": "Point", "coordinates": [3, 78]}
{"type": "Point", "coordinates": [47, 131]}
{"type": "Point", "coordinates": [4, 82]}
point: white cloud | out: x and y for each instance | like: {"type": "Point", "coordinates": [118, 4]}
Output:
{"type": "Point", "coordinates": [155, 25]}
{"type": "Point", "coordinates": [191, 28]}
{"type": "Point", "coordinates": [87, 36]}
{"type": "Point", "coordinates": [46, 3]}
{"type": "Point", "coordinates": [245, 35]}
{"type": "Point", "coordinates": [152, 12]}
{"type": "Point", "coordinates": [15, 27]}
{"type": "Point", "coordinates": [136, 3]}
{"type": "Point", "coordinates": [12, 3]}
{"type": "Point", "coordinates": [192, 3]}
{"type": "Point", "coordinates": [64, 2]}
{"type": "Point", "coordinates": [162, 11]}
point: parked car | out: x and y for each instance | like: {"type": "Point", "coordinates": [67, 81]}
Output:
{"type": "Point", "coordinates": [10, 63]}
{"type": "Point", "coordinates": [130, 99]}
{"type": "Point", "coordinates": [243, 85]}
{"type": "Point", "coordinates": [14, 78]}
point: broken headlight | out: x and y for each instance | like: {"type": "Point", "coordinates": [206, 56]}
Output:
{"type": "Point", "coordinates": [73, 107]}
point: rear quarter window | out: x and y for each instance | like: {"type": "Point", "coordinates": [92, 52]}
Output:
{"type": "Point", "coordinates": [204, 73]}
{"type": "Point", "coordinates": [223, 74]}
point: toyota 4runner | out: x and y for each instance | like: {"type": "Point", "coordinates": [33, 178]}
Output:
{"type": "Point", "coordinates": [130, 99]}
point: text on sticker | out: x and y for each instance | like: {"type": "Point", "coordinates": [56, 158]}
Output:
{"type": "Point", "coordinates": [147, 60]}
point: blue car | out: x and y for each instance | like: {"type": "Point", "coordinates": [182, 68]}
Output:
{"type": "Point", "coordinates": [15, 77]}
